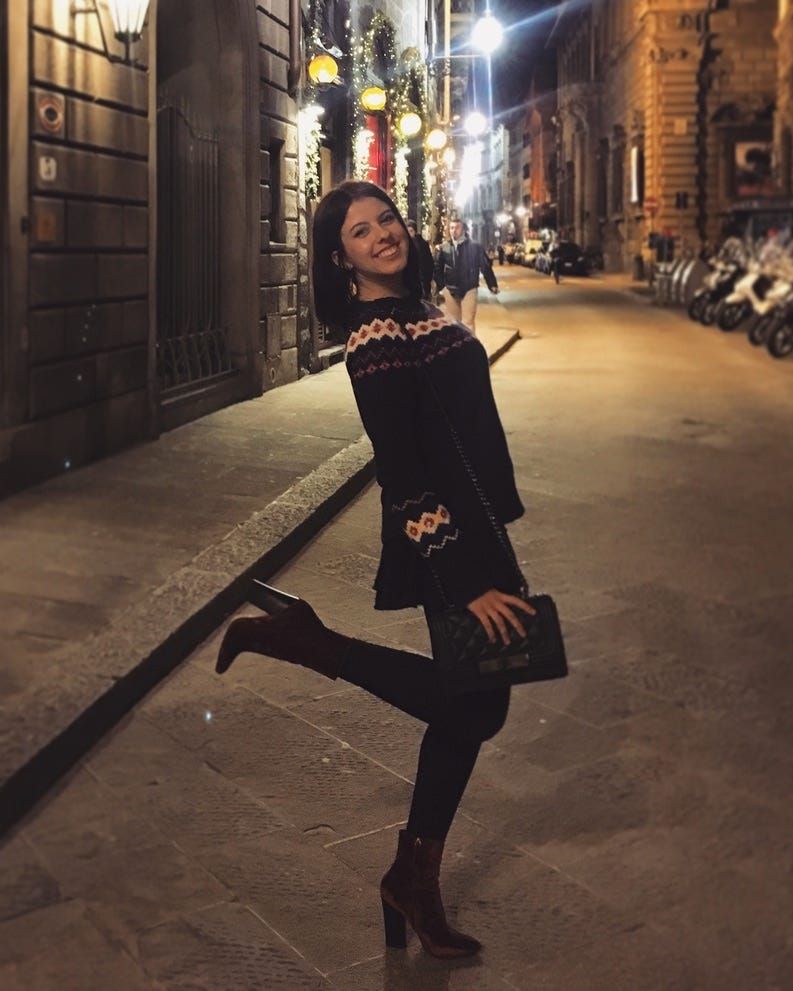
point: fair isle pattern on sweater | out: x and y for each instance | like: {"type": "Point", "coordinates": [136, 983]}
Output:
{"type": "Point", "coordinates": [384, 344]}
{"type": "Point", "coordinates": [433, 529]}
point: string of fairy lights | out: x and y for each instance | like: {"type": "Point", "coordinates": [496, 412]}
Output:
{"type": "Point", "coordinates": [383, 82]}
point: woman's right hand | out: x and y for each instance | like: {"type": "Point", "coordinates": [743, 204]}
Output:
{"type": "Point", "coordinates": [497, 611]}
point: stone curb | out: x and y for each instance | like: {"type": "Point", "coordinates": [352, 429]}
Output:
{"type": "Point", "coordinates": [153, 637]}
{"type": "Point", "coordinates": [112, 671]}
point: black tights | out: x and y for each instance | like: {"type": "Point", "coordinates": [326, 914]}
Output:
{"type": "Point", "coordinates": [456, 727]}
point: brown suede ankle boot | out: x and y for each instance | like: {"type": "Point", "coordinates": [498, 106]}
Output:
{"type": "Point", "coordinates": [410, 892]}
{"type": "Point", "coordinates": [295, 634]}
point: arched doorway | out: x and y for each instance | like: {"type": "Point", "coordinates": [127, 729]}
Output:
{"type": "Point", "coordinates": [207, 242]}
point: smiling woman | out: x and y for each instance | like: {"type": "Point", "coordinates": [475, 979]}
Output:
{"type": "Point", "coordinates": [440, 548]}
{"type": "Point", "coordinates": [344, 265]}
{"type": "Point", "coordinates": [374, 245]}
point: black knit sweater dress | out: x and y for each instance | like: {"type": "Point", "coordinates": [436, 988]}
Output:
{"type": "Point", "coordinates": [439, 548]}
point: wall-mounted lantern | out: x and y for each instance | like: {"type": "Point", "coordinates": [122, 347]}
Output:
{"type": "Point", "coordinates": [409, 124]}
{"type": "Point", "coordinates": [373, 98]}
{"type": "Point", "coordinates": [323, 69]}
{"type": "Point", "coordinates": [436, 139]}
{"type": "Point", "coordinates": [128, 17]}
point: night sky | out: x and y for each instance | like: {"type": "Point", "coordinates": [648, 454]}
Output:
{"type": "Point", "coordinates": [527, 24]}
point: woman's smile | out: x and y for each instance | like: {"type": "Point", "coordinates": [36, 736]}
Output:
{"type": "Point", "coordinates": [375, 246]}
{"type": "Point", "coordinates": [388, 252]}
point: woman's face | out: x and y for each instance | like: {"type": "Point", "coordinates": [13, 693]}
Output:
{"type": "Point", "coordinates": [375, 245]}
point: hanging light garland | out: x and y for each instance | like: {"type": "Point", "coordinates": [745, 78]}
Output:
{"type": "Point", "coordinates": [322, 71]}
{"type": "Point", "coordinates": [360, 153]}
{"type": "Point", "coordinates": [401, 179]}
{"type": "Point", "coordinates": [381, 34]}
{"type": "Point", "coordinates": [426, 186]}
{"type": "Point", "coordinates": [310, 138]}
{"type": "Point", "coordinates": [403, 93]}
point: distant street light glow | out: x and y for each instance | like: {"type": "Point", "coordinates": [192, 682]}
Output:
{"type": "Point", "coordinates": [470, 169]}
{"type": "Point", "coordinates": [476, 123]}
{"type": "Point", "coordinates": [487, 34]}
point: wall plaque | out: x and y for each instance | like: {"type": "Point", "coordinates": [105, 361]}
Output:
{"type": "Point", "coordinates": [51, 113]}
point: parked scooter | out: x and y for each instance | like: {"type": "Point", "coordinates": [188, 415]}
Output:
{"type": "Point", "coordinates": [780, 342]}
{"type": "Point", "coordinates": [728, 266]}
{"type": "Point", "coordinates": [778, 309]}
{"type": "Point", "coordinates": [752, 292]}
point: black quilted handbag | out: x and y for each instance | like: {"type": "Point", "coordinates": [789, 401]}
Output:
{"type": "Point", "coordinates": [468, 661]}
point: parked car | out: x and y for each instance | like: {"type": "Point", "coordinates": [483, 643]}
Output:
{"type": "Point", "coordinates": [542, 260]}
{"type": "Point", "coordinates": [571, 259]}
{"type": "Point", "coordinates": [531, 247]}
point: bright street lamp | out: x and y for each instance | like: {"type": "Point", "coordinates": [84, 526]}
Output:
{"type": "Point", "coordinates": [487, 34]}
{"type": "Point", "coordinates": [476, 123]}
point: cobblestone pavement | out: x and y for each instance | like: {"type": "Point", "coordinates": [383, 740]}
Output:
{"type": "Point", "coordinates": [630, 829]}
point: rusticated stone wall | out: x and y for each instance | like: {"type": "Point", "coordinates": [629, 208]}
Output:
{"type": "Point", "coordinates": [278, 268]}
{"type": "Point", "coordinates": [79, 335]}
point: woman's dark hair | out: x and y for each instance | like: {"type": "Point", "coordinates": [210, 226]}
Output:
{"type": "Point", "coordinates": [334, 287]}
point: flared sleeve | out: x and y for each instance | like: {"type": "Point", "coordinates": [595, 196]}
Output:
{"type": "Point", "coordinates": [384, 364]}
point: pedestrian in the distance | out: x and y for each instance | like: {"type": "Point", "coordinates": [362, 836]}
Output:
{"type": "Point", "coordinates": [438, 547]}
{"type": "Point", "coordinates": [426, 261]}
{"type": "Point", "coordinates": [457, 266]}
{"type": "Point", "coordinates": [555, 270]}
{"type": "Point", "coordinates": [501, 254]}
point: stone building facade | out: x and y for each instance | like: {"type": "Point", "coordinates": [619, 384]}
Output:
{"type": "Point", "coordinates": [532, 158]}
{"type": "Point", "coordinates": [783, 122]}
{"type": "Point", "coordinates": [150, 223]}
{"type": "Point", "coordinates": [659, 105]}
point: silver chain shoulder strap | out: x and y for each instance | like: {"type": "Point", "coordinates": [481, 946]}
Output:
{"type": "Point", "coordinates": [497, 527]}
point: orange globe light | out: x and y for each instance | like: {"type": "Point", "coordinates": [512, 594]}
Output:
{"type": "Point", "coordinates": [373, 98]}
{"type": "Point", "coordinates": [322, 69]}
{"type": "Point", "coordinates": [409, 124]}
{"type": "Point", "coordinates": [436, 139]}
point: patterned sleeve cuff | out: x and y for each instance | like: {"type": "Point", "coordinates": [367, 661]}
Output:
{"type": "Point", "coordinates": [431, 530]}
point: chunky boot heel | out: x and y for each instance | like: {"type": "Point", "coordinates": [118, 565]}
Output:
{"type": "Point", "coordinates": [412, 883]}
{"type": "Point", "coordinates": [291, 631]}
{"type": "Point", "coordinates": [395, 929]}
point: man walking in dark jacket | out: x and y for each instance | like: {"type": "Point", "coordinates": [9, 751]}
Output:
{"type": "Point", "coordinates": [457, 267]}
{"type": "Point", "coordinates": [426, 261]}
